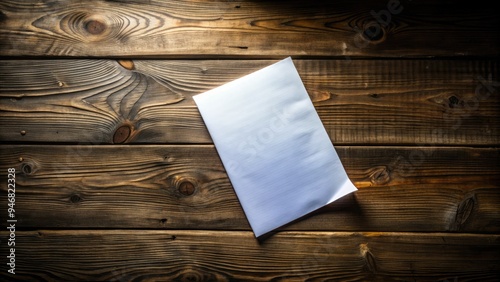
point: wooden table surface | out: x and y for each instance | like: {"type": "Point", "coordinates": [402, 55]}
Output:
{"type": "Point", "coordinates": [117, 178]}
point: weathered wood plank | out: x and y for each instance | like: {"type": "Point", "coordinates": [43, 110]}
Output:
{"type": "Point", "coordinates": [186, 187]}
{"type": "Point", "coordinates": [91, 255]}
{"type": "Point", "coordinates": [264, 28]}
{"type": "Point", "coordinates": [150, 101]}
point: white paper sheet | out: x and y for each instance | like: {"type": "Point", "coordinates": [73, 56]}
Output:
{"type": "Point", "coordinates": [276, 152]}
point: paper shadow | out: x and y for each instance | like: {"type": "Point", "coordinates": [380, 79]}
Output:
{"type": "Point", "coordinates": [348, 205]}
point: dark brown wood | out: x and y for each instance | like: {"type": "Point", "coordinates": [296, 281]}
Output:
{"type": "Point", "coordinates": [248, 28]}
{"type": "Point", "coordinates": [186, 187]}
{"type": "Point", "coordinates": [422, 102]}
{"type": "Point", "coordinates": [117, 178]}
{"type": "Point", "coordinates": [138, 255]}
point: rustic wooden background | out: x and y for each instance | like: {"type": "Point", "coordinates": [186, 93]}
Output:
{"type": "Point", "coordinates": [117, 177]}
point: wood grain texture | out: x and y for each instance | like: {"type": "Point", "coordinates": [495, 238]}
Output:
{"type": "Point", "coordinates": [186, 187]}
{"type": "Point", "coordinates": [142, 255]}
{"type": "Point", "coordinates": [404, 102]}
{"type": "Point", "coordinates": [117, 178]}
{"type": "Point", "coordinates": [248, 28]}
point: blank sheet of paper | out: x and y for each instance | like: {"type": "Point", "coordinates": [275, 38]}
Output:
{"type": "Point", "coordinates": [276, 151]}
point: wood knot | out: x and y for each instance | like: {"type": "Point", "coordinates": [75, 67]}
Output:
{"type": "Point", "coordinates": [374, 32]}
{"type": "Point", "coordinates": [368, 258]}
{"type": "Point", "coordinates": [27, 168]}
{"type": "Point", "coordinates": [320, 95]}
{"type": "Point", "coordinates": [3, 16]}
{"type": "Point", "coordinates": [122, 134]}
{"type": "Point", "coordinates": [380, 175]}
{"type": "Point", "coordinates": [453, 101]}
{"type": "Point", "coordinates": [75, 199]}
{"type": "Point", "coordinates": [127, 64]}
{"type": "Point", "coordinates": [191, 275]}
{"type": "Point", "coordinates": [464, 210]}
{"type": "Point", "coordinates": [94, 27]}
{"type": "Point", "coordinates": [186, 188]}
